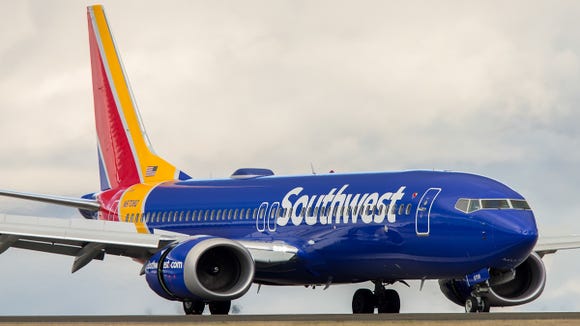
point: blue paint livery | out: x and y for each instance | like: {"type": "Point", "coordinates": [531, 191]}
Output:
{"type": "Point", "coordinates": [454, 244]}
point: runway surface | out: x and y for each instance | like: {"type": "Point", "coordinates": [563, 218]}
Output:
{"type": "Point", "coordinates": [528, 319]}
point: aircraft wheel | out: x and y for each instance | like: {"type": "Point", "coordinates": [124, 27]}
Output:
{"type": "Point", "coordinates": [471, 304]}
{"type": "Point", "coordinates": [484, 305]}
{"type": "Point", "coordinates": [389, 302]}
{"type": "Point", "coordinates": [194, 307]}
{"type": "Point", "coordinates": [220, 307]}
{"type": "Point", "coordinates": [363, 302]}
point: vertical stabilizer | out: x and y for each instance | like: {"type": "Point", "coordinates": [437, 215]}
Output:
{"type": "Point", "coordinates": [125, 155]}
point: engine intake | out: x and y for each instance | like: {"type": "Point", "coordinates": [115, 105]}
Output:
{"type": "Point", "coordinates": [526, 285]}
{"type": "Point", "coordinates": [210, 269]}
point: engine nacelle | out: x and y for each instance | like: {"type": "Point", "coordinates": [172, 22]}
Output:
{"type": "Point", "coordinates": [206, 268]}
{"type": "Point", "coordinates": [526, 285]}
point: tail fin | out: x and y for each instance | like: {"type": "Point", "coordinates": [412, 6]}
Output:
{"type": "Point", "coordinates": [125, 154]}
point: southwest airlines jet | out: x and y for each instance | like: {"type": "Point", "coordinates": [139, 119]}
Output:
{"type": "Point", "coordinates": [204, 242]}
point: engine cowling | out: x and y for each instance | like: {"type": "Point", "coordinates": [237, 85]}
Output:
{"type": "Point", "coordinates": [206, 268]}
{"type": "Point", "coordinates": [525, 286]}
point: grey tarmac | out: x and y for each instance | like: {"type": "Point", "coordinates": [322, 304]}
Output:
{"type": "Point", "coordinates": [528, 319]}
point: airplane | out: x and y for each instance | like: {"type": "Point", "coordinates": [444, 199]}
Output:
{"type": "Point", "coordinates": [204, 242]}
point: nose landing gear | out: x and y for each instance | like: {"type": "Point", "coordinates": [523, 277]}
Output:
{"type": "Point", "coordinates": [476, 304]}
{"type": "Point", "coordinates": [477, 301]}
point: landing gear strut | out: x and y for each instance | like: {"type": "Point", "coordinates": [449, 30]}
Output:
{"type": "Point", "coordinates": [196, 307]}
{"type": "Point", "coordinates": [365, 301]}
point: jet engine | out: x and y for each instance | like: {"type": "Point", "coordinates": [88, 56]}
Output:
{"type": "Point", "coordinates": [205, 268]}
{"type": "Point", "coordinates": [510, 288]}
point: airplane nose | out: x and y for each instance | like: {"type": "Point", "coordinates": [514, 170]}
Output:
{"type": "Point", "coordinates": [515, 235]}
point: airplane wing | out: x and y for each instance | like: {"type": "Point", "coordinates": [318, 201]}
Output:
{"type": "Point", "coordinates": [549, 245]}
{"type": "Point", "coordinates": [91, 239]}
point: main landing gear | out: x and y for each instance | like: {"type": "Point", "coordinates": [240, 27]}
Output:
{"type": "Point", "coordinates": [196, 307]}
{"type": "Point", "coordinates": [386, 301]}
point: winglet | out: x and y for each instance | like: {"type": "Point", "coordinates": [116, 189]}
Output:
{"type": "Point", "coordinates": [125, 154]}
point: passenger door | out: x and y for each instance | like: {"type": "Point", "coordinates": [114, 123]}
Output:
{"type": "Point", "coordinates": [423, 215]}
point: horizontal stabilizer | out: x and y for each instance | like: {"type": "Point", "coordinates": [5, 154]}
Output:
{"type": "Point", "coordinates": [87, 204]}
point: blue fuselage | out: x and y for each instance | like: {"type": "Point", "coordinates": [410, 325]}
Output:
{"type": "Point", "coordinates": [355, 227]}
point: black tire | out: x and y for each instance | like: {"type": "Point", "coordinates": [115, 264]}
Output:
{"type": "Point", "coordinates": [484, 305]}
{"type": "Point", "coordinates": [220, 307]}
{"type": "Point", "coordinates": [193, 307]}
{"type": "Point", "coordinates": [471, 305]}
{"type": "Point", "coordinates": [389, 302]}
{"type": "Point", "coordinates": [363, 302]}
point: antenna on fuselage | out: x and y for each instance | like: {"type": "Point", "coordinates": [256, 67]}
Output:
{"type": "Point", "coordinates": [312, 168]}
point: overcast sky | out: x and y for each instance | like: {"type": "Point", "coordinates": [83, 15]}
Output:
{"type": "Point", "coordinates": [489, 87]}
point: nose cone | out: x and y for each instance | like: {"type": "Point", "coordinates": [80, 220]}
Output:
{"type": "Point", "coordinates": [515, 235]}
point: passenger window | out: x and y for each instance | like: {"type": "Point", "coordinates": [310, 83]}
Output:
{"type": "Point", "coordinates": [408, 210]}
{"type": "Point", "coordinates": [401, 208]}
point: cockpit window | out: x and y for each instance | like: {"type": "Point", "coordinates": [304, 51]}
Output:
{"type": "Point", "coordinates": [474, 205]}
{"type": "Point", "coordinates": [519, 204]}
{"type": "Point", "coordinates": [471, 205]}
{"type": "Point", "coordinates": [462, 204]}
{"type": "Point", "coordinates": [495, 203]}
